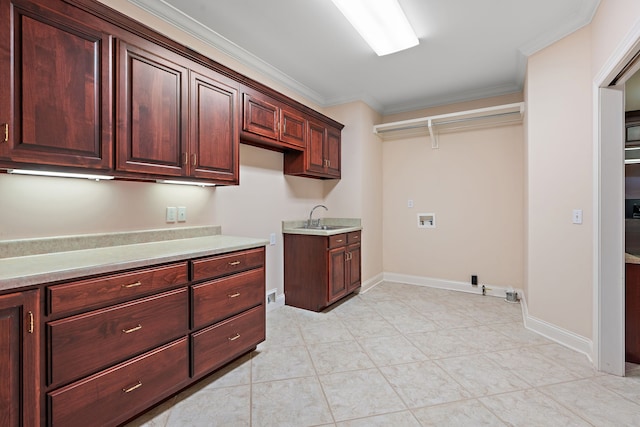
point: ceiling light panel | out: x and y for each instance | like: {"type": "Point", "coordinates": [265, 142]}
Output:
{"type": "Point", "coordinates": [381, 23]}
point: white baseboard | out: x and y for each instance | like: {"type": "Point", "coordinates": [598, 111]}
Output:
{"type": "Point", "coordinates": [559, 335]}
{"type": "Point", "coordinates": [278, 303]}
{"type": "Point", "coordinates": [555, 333]}
{"type": "Point", "coordinates": [371, 283]}
{"type": "Point", "coordinates": [490, 290]}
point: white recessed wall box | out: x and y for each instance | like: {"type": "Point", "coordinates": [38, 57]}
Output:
{"type": "Point", "coordinates": [426, 220]}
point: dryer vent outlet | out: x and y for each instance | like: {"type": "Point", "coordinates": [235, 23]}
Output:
{"type": "Point", "coordinates": [271, 296]}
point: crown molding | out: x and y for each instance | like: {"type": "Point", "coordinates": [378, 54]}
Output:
{"type": "Point", "coordinates": [177, 18]}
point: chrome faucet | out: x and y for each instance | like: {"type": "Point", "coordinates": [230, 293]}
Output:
{"type": "Point", "coordinates": [310, 221]}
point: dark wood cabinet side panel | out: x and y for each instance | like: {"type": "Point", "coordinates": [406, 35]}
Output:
{"type": "Point", "coordinates": [632, 313]}
{"type": "Point", "coordinates": [305, 271]}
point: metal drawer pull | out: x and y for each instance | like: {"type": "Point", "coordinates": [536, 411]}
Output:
{"type": "Point", "coordinates": [234, 338]}
{"type": "Point", "coordinates": [136, 328]}
{"type": "Point", "coordinates": [6, 133]}
{"type": "Point", "coordinates": [234, 263]}
{"type": "Point", "coordinates": [339, 241]}
{"type": "Point", "coordinates": [237, 294]}
{"type": "Point", "coordinates": [30, 329]}
{"type": "Point", "coordinates": [133, 285]}
{"type": "Point", "coordinates": [130, 389]}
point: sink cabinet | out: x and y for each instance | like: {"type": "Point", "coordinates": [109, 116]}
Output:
{"type": "Point", "coordinates": [320, 270]}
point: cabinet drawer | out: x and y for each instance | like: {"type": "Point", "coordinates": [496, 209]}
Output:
{"type": "Point", "coordinates": [113, 396]}
{"type": "Point", "coordinates": [216, 300]}
{"type": "Point", "coordinates": [88, 342]}
{"type": "Point", "coordinates": [102, 291]}
{"type": "Point", "coordinates": [337, 240]}
{"type": "Point", "coordinates": [223, 265]}
{"type": "Point", "coordinates": [218, 344]}
{"type": "Point", "coordinates": [353, 237]}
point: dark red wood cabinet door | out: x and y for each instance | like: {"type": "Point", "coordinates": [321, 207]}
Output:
{"type": "Point", "coordinates": [214, 135]}
{"type": "Point", "coordinates": [152, 102]}
{"type": "Point", "coordinates": [260, 116]}
{"type": "Point", "coordinates": [293, 128]}
{"type": "Point", "coordinates": [353, 267]}
{"type": "Point", "coordinates": [58, 70]}
{"type": "Point", "coordinates": [337, 283]}
{"type": "Point", "coordinates": [315, 147]}
{"type": "Point", "coordinates": [332, 153]}
{"type": "Point", "coordinates": [19, 360]}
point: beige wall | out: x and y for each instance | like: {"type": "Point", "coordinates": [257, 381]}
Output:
{"type": "Point", "coordinates": [560, 179]}
{"type": "Point", "coordinates": [474, 184]}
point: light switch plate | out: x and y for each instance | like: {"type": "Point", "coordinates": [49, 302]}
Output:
{"type": "Point", "coordinates": [577, 216]}
{"type": "Point", "coordinates": [182, 214]}
{"type": "Point", "coordinates": [172, 214]}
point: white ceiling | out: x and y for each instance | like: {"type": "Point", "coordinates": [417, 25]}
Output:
{"type": "Point", "coordinates": [469, 49]}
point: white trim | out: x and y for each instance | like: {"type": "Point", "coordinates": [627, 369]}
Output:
{"type": "Point", "coordinates": [607, 320]}
{"type": "Point", "coordinates": [490, 290]}
{"type": "Point", "coordinates": [369, 284]}
{"type": "Point", "coordinates": [554, 333]}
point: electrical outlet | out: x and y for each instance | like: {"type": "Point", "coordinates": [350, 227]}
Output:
{"type": "Point", "coordinates": [172, 214]}
{"type": "Point", "coordinates": [577, 216]}
{"type": "Point", "coordinates": [182, 214]}
{"type": "Point", "coordinates": [410, 203]}
{"type": "Point", "coordinates": [272, 239]}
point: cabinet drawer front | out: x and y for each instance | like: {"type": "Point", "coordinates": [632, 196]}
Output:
{"type": "Point", "coordinates": [223, 265]}
{"type": "Point", "coordinates": [86, 343]}
{"type": "Point", "coordinates": [337, 240]}
{"type": "Point", "coordinates": [222, 298]}
{"type": "Point", "coordinates": [113, 396]}
{"type": "Point", "coordinates": [353, 237]}
{"type": "Point", "coordinates": [218, 344]}
{"type": "Point", "coordinates": [102, 291]}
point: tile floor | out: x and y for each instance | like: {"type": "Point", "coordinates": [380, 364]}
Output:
{"type": "Point", "coordinates": [404, 355]}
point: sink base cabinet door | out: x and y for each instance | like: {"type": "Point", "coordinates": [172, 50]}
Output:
{"type": "Point", "coordinates": [115, 395]}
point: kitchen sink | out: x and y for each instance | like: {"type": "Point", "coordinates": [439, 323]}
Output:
{"type": "Point", "coordinates": [322, 227]}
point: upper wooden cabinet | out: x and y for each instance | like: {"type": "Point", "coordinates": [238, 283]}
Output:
{"type": "Point", "coordinates": [269, 123]}
{"type": "Point", "coordinates": [56, 85]}
{"type": "Point", "coordinates": [175, 117]}
{"type": "Point", "coordinates": [321, 159]}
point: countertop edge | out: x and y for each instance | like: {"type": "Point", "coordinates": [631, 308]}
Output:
{"type": "Point", "coordinates": [20, 273]}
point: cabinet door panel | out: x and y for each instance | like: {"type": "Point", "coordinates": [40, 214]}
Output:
{"type": "Point", "coordinates": [260, 117]}
{"type": "Point", "coordinates": [152, 112]}
{"type": "Point", "coordinates": [214, 135]}
{"type": "Point", "coordinates": [332, 152]}
{"type": "Point", "coordinates": [315, 147]}
{"type": "Point", "coordinates": [353, 269]}
{"type": "Point", "coordinates": [293, 128]}
{"type": "Point", "coordinates": [62, 105]}
{"type": "Point", "coordinates": [337, 282]}
{"type": "Point", "coordinates": [19, 360]}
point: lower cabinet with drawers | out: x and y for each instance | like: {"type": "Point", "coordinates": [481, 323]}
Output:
{"type": "Point", "coordinates": [119, 343]}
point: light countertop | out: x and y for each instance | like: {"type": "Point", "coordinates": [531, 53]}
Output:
{"type": "Point", "coordinates": [28, 270]}
{"type": "Point", "coordinates": [347, 225]}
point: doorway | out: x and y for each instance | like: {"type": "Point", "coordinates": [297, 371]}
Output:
{"type": "Point", "coordinates": [609, 200]}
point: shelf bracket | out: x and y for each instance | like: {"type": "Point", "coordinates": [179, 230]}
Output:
{"type": "Point", "coordinates": [433, 135]}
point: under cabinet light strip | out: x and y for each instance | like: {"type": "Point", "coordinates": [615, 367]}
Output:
{"type": "Point", "coordinates": [59, 174]}
{"type": "Point", "coordinates": [194, 183]}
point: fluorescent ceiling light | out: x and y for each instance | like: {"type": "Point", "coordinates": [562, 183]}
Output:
{"type": "Point", "coordinates": [381, 23]}
{"type": "Point", "coordinates": [58, 174]}
{"type": "Point", "coordinates": [171, 181]}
